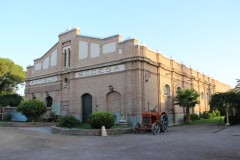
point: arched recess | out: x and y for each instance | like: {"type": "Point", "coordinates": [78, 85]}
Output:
{"type": "Point", "coordinates": [49, 101]}
{"type": "Point", "coordinates": [86, 106]}
{"type": "Point", "coordinates": [166, 90]}
{"type": "Point", "coordinates": [114, 104]}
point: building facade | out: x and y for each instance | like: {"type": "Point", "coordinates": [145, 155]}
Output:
{"type": "Point", "coordinates": [81, 74]}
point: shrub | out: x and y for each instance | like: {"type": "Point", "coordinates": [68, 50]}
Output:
{"type": "Point", "coordinates": [99, 119]}
{"type": "Point", "coordinates": [205, 115]}
{"type": "Point", "coordinates": [214, 114]}
{"type": "Point", "coordinates": [53, 117]}
{"type": "Point", "coordinates": [68, 121]}
{"type": "Point", "coordinates": [210, 115]}
{"type": "Point", "coordinates": [218, 114]}
{"type": "Point", "coordinates": [32, 109]}
{"type": "Point", "coordinates": [194, 117]}
{"type": "Point", "coordinates": [232, 119]}
{"type": "Point", "coordinates": [7, 117]}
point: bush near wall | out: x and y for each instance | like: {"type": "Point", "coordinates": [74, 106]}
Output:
{"type": "Point", "coordinates": [32, 109]}
{"type": "Point", "coordinates": [99, 119]}
{"type": "Point", "coordinates": [7, 117]}
{"type": "Point", "coordinates": [208, 114]}
{"type": "Point", "coordinates": [194, 117]}
{"type": "Point", "coordinates": [68, 121]}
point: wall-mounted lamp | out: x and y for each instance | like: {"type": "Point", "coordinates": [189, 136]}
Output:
{"type": "Point", "coordinates": [110, 87]}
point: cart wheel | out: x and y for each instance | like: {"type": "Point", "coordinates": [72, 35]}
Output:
{"type": "Point", "coordinates": [136, 127]}
{"type": "Point", "coordinates": [155, 128]}
{"type": "Point", "coordinates": [164, 123]}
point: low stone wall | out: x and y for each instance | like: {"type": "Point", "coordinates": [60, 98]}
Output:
{"type": "Point", "coordinates": [90, 132]}
{"type": "Point", "coordinates": [29, 124]}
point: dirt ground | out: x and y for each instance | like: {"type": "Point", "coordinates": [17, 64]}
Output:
{"type": "Point", "coordinates": [192, 142]}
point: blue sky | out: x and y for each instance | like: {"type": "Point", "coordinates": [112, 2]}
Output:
{"type": "Point", "coordinates": [203, 34]}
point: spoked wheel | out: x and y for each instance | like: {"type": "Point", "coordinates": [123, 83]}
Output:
{"type": "Point", "coordinates": [136, 127]}
{"type": "Point", "coordinates": [155, 128]}
{"type": "Point", "coordinates": [164, 123]}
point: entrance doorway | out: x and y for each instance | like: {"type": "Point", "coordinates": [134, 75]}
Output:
{"type": "Point", "coordinates": [86, 107]}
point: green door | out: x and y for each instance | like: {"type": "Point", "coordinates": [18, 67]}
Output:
{"type": "Point", "coordinates": [86, 107]}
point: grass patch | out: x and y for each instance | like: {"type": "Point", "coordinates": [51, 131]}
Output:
{"type": "Point", "coordinates": [215, 120]}
{"type": "Point", "coordinates": [87, 126]}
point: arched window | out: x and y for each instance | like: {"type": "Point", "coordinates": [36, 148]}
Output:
{"type": "Point", "coordinates": [167, 90]}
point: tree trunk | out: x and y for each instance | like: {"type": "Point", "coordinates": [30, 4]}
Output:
{"type": "Point", "coordinates": [188, 120]}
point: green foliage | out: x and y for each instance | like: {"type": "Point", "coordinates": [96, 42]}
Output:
{"type": "Point", "coordinates": [217, 112]}
{"type": "Point", "coordinates": [32, 109]}
{"type": "Point", "coordinates": [7, 117]}
{"type": "Point", "coordinates": [68, 121]}
{"type": "Point", "coordinates": [187, 98]}
{"type": "Point", "coordinates": [99, 119]}
{"type": "Point", "coordinates": [12, 100]}
{"type": "Point", "coordinates": [220, 100]}
{"type": "Point", "coordinates": [213, 114]}
{"type": "Point", "coordinates": [232, 119]}
{"type": "Point", "coordinates": [206, 115]}
{"type": "Point", "coordinates": [210, 115]}
{"type": "Point", "coordinates": [11, 75]}
{"type": "Point", "coordinates": [237, 87]}
{"type": "Point", "coordinates": [53, 116]}
{"type": "Point", "coordinates": [194, 117]}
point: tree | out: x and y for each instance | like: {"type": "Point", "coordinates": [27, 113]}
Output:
{"type": "Point", "coordinates": [11, 75]}
{"type": "Point", "coordinates": [237, 87]}
{"type": "Point", "coordinates": [220, 100]}
{"type": "Point", "coordinates": [187, 98]}
{"type": "Point", "coordinates": [12, 100]}
{"type": "Point", "coordinates": [32, 109]}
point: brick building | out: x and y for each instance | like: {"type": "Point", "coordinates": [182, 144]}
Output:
{"type": "Point", "coordinates": [81, 74]}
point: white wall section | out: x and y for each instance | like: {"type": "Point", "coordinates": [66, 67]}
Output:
{"type": "Point", "coordinates": [46, 63]}
{"type": "Point", "coordinates": [38, 66]}
{"type": "Point", "coordinates": [110, 47]}
{"type": "Point", "coordinates": [54, 58]}
{"type": "Point", "coordinates": [99, 71]}
{"type": "Point", "coordinates": [95, 49]}
{"type": "Point", "coordinates": [44, 80]}
{"type": "Point", "coordinates": [120, 51]}
{"type": "Point", "coordinates": [83, 50]}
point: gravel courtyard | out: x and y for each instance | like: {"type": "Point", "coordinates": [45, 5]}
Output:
{"type": "Point", "coordinates": [194, 142]}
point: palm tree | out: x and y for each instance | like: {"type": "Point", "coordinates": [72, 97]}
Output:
{"type": "Point", "coordinates": [187, 98]}
{"type": "Point", "coordinates": [237, 87]}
